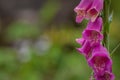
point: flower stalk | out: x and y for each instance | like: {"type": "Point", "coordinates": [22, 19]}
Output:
{"type": "Point", "coordinates": [96, 54]}
{"type": "Point", "coordinates": [106, 23]}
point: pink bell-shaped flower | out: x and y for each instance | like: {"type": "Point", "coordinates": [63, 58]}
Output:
{"type": "Point", "coordinates": [95, 9]}
{"type": "Point", "coordinates": [81, 9]}
{"type": "Point", "coordinates": [106, 76]}
{"type": "Point", "coordinates": [85, 49]}
{"type": "Point", "coordinates": [100, 60]}
{"type": "Point", "coordinates": [93, 31]}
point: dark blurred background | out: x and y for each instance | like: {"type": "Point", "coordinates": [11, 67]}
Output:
{"type": "Point", "coordinates": [37, 40]}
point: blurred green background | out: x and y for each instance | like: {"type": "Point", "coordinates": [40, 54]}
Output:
{"type": "Point", "coordinates": [37, 40]}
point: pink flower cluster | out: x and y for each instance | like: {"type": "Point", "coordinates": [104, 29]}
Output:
{"type": "Point", "coordinates": [97, 56]}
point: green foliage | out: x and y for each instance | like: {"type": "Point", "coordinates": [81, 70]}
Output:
{"type": "Point", "coordinates": [19, 30]}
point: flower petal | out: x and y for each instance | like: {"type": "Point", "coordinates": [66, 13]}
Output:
{"type": "Point", "coordinates": [85, 49]}
{"type": "Point", "coordinates": [100, 60]}
{"type": "Point", "coordinates": [95, 9]}
{"type": "Point", "coordinates": [81, 9]}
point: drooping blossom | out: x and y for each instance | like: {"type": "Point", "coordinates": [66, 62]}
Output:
{"type": "Point", "coordinates": [80, 41]}
{"type": "Point", "coordinates": [88, 9]}
{"type": "Point", "coordinates": [100, 60]}
{"type": "Point", "coordinates": [85, 49]}
{"type": "Point", "coordinates": [95, 9]}
{"type": "Point", "coordinates": [93, 31]}
{"type": "Point", "coordinates": [81, 9]}
{"type": "Point", "coordinates": [106, 76]}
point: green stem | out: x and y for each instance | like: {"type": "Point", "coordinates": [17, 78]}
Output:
{"type": "Point", "coordinates": [106, 23]}
{"type": "Point", "coordinates": [118, 45]}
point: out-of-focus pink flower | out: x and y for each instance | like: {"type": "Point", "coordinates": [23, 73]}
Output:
{"type": "Point", "coordinates": [93, 31]}
{"type": "Point", "coordinates": [96, 25]}
{"type": "Point", "coordinates": [95, 9]}
{"type": "Point", "coordinates": [80, 41]}
{"type": "Point", "coordinates": [88, 9]}
{"type": "Point", "coordinates": [100, 60]}
{"type": "Point", "coordinates": [81, 9]}
{"type": "Point", "coordinates": [85, 49]}
{"type": "Point", "coordinates": [106, 76]}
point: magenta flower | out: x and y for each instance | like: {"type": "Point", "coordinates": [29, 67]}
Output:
{"type": "Point", "coordinates": [106, 76]}
{"type": "Point", "coordinates": [95, 9]}
{"type": "Point", "coordinates": [85, 49]}
{"type": "Point", "coordinates": [92, 32]}
{"type": "Point", "coordinates": [80, 41]}
{"type": "Point", "coordinates": [96, 25]}
{"type": "Point", "coordinates": [89, 9]}
{"type": "Point", "coordinates": [81, 9]}
{"type": "Point", "coordinates": [100, 60]}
